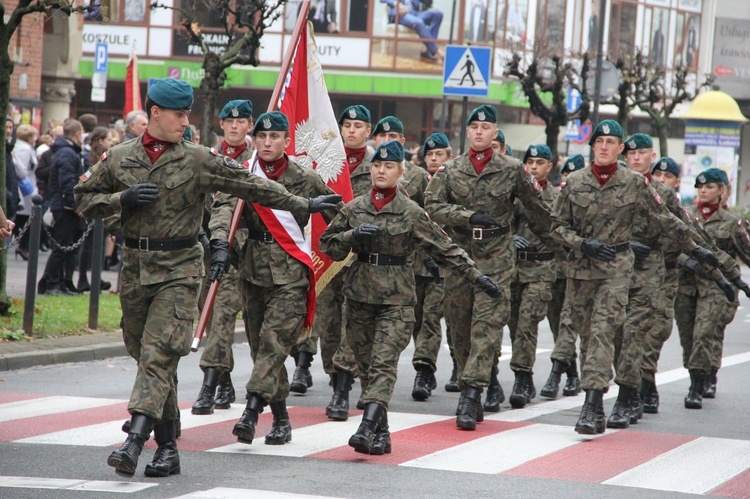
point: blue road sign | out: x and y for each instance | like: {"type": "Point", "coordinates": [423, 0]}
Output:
{"type": "Point", "coordinates": [574, 100]}
{"type": "Point", "coordinates": [466, 70]}
{"type": "Point", "coordinates": [573, 130]}
{"type": "Point", "coordinates": [100, 58]}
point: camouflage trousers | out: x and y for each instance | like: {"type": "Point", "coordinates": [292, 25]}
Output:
{"type": "Point", "coordinates": [555, 306]}
{"type": "Point", "coordinates": [219, 338]}
{"type": "Point", "coordinates": [596, 309]}
{"type": "Point", "coordinates": [565, 338]}
{"type": "Point", "coordinates": [273, 322]}
{"type": "Point", "coordinates": [662, 327]}
{"type": "Point", "coordinates": [528, 307]}
{"type": "Point", "coordinates": [157, 331]}
{"type": "Point", "coordinates": [428, 333]}
{"type": "Point", "coordinates": [476, 325]}
{"type": "Point", "coordinates": [644, 304]}
{"type": "Point", "coordinates": [377, 335]}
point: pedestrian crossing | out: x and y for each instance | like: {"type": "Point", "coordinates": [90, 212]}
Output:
{"type": "Point", "coordinates": [507, 443]}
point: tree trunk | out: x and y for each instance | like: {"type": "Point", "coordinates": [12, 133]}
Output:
{"type": "Point", "coordinates": [662, 125]}
{"type": "Point", "coordinates": [553, 132]}
{"type": "Point", "coordinates": [210, 85]}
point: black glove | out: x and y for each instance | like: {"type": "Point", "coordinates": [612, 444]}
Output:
{"type": "Point", "coordinates": [483, 220]}
{"type": "Point", "coordinates": [219, 259]}
{"type": "Point", "coordinates": [521, 242]}
{"type": "Point", "coordinates": [323, 203]}
{"type": "Point", "coordinates": [203, 239]}
{"type": "Point", "coordinates": [139, 194]}
{"type": "Point", "coordinates": [364, 231]}
{"type": "Point", "coordinates": [705, 256]}
{"type": "Point", "coordinates": [737, 281]}
{"type": "Point", "coordinates": [695, 267]}
{"type": "Point", "coordinates": [593, 248]}
{"type": "Point", "coordinates": [727, 289]}
{"type": "Point", "coordinates": [641, 250]}
{"type": "Point", "coordinates": [487, 285]}
{"type": "Point", "coordinates": [433, 269]}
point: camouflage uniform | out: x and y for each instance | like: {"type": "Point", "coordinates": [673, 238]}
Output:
{"type": "Point", "coordinates": [380, 298]}
{"type": "Point", "coordinates": [159, 289]}
{"type": "Point", "coordinates": [454, 194]}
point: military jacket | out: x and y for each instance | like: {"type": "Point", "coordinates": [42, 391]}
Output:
{"type": "Point", "coordinates": [404, 227]}
{"type": "Point", "coordinates": [414, 183]}
{"type": "Point", "coordinates": [456, 192]}
{"type": "Point", "coordinates": [534, 271]}
{"type": "Point", "coordinates": [361, 178]}
{"type": "Point", "coordinates": [262, 263]}
{"type": "Point", "coordinates": [184, 174]}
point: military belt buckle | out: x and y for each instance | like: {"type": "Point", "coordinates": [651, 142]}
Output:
{"type": "Point", "coordinates": [143, 244]}
{"type": "Point", "coordinates": [372, 258]}
{"type": "Point", "coordinates": [267, 237]}
{"type": "Point", "coordinates": [522, 255]}
{"type": "Point", "coordinates": [476, 233]}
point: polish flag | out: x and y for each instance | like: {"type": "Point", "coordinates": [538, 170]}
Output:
{"type": "Point", "coordinates": [132, 88]}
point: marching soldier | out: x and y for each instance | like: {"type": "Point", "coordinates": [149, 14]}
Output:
{"type": "Point", "coordinates": [498, 143]}
{"type": "Point", "coordinates": [572, 164]}
{"type": "Point", "coordinates": [157, 184]}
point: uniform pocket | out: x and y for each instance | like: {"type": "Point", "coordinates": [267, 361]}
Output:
{"type": "Point", "coordinates": [175, 177]}
{"type": "Point", "coordinates": [582, 199]}
{"type": "Point", "coordinates": [182, 332]}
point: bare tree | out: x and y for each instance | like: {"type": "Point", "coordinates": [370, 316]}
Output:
{"type": "Point", "coordinates": [242, 25]}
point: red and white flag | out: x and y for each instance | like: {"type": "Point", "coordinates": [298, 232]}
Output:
{"type": "Point", "coordinates": [132, 88]}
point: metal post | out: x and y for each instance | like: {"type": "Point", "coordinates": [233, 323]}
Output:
{"type": "Point", "coordinates": [444, 110]}
{"type": "Point", "coordinates": [35, 231]}
{"type": "Point", "coordinates": [96, 273]}
{"type": "Point", "coordinates": [464, 112]}
{"type": "Point", "coordinates": [599, 63]}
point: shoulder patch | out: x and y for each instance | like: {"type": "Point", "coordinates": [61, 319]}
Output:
{"type": "Point", "coordinates": [535, 184]}
{"type": "Point", "coordinates": [739, 222]}
{"type": "Point", "coordinates": [657, 197]}
{"type": "Point", "coordinates": [441, 168]}
{"type": "Point", "coordinates": [646, 180]}
{"type": "Point", "coordinates": [87, 175]}
{"type": "Point", "coordinates": [231, 163]}
{"type": "Point", "coordinates": [214, 151]}
{"type": "Point", "coordinates": [104, 156]}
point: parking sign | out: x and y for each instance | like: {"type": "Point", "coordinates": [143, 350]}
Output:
{"type": "Point", "coordinates": [100, 58]}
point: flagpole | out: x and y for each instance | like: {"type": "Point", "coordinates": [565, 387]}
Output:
{"type": "Point", "coordinates": [238, 209]}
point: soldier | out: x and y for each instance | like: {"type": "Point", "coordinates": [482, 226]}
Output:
{"type": "Point", "coordinates": [217, 361]}
{"type": "Point", "coordinates": [472, 196]}
{"type": "Point", "coordinates": [274, 282]}
{"type": "Point", "coordinates": [156, 184]}
{"type": "Point", "coordinates": [572, 164]}
{"type": "Point", "coordinates": [531, 286]}
{"type": "Point", "coordinates": [594, 217]}
{"type": "Point", "coordinates": [498, 143]}
{"type": "Point", "coordinates": [384, 228]}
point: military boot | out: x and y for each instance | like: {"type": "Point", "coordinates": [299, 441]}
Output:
{"type": "Point", "coordinates": [422, 390]}
{"type": "Point", "coordinates": [363, 439]}
{"type": "Point", "coordinates": [244, 430]}
{"type": "Point", "coordinates": [302, 379]}
{"type": "Point", "coordinates": [601, 419]}
{"type": "Point", "coordinates": [381, 444]}
{"type": "Point", "coordinates": [620, 417]}
{"type": "Point", "coordinates": [281, 430]}
{"type": "Point", "coordinates": [225, 395]}
{"type": "Point", "coordinates": [709, 391]}
{"type": "Point", "coordinates": [552, 385]}
{"type": "Point", "coordinates": [205, 402]}
{"type": "Point", "coordinates": [340, 402]}
{"type": "Point", "coordinates": [523, 390]}
{"type": "Point", "coordinates": [125, 459]}
{"type": "Point", "coordinates": [332, 383]}
{"type": "Point", "coordinates": [649, 396]}
{"type": "Point", "coordinates": [573, 383]}
{"type": "Point", "coordinates": [694, 398]}
{"type": "Point", "coordinates": [495, 394]}
{"type": "Point", "coordinates": [636, 406]}
{"type": "Point", "coordinates": [467, 419]}
{"type": "Point", "coordinates": [588, 420]}
{"type": "Point", "coordinates": [166, 459]}
{"type": "Point", "coordinates": [452, 384]}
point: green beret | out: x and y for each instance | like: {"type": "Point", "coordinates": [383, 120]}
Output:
{"type": "Point", "coordinates": [275, 121]}
{"type": "Point", "coordinates": [667, 164]}
{"type": "Point", "coordinates": [392, 150]}
{"type": "Point", "coordinates": [638, 141]}
{"type": "Point", "coordinates": [606, 128]}
{"type": "Point", "coordinates": [171, 93]}
{"type": "Point", "coordinates": [357, 112]}
{"type": "Point", "coordinates": [500, 137]}
{"type": "Point", "coordinates": [485, 112]}
{"type": "Point", "coordinates": [237, 109]}
{"type": "Point", "coordinates": [187, 134]}
{"type": "Point", "coordinates": [538, 151]}
{"type": "Point", "coordinates": [573, 164]}
{"type": "Point", "coordinates": [508, 150]}
{"type": "Point", "coordinates": [712, 176]}
{"type": "Point", "coordinates": [435, 141]}
{"type": "Point", "coordinates": [388, 124]}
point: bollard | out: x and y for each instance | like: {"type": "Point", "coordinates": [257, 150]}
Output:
{"type": "Point", "coordinates": [96, 273]}
{"type": "Point", "coordinates": [35, 232]}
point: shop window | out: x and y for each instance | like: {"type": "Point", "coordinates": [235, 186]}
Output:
{"type": "Point", "coordinates": [550, 26]}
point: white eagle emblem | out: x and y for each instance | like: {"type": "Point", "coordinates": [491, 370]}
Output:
{"type": "Point", "coordinates": [605, 128]}
{"type": "Point", "coordinates": [158, 147]}
{"type": "Point", "coordinates": [663, 165]}
{"type": "Point", "coordinates": [431, 143]}
{"type": "Point", "coordinates": [702, 179]}
{"type": "Point", "coordinates": [386, 126]}
{"type": "Point", "coordinates": [480, 156]}
{"type": "Point", "coordinates": [631, 144]}
{"type": "Point", "coordinates": [533, 151]}
{"type": "Point", "coordinates": [235, 112]}
{"type": "Point", "coordinates": [352, 113]}
{"type": "Point", "coordinates": [230, 150]}
{"type": "Point", "coordinates": [316, 150]}
{"type": "Point", "coordinates": [266, 123]}
{"type": "Point", "coordinates": [481, 115]}
{"type": "Point", "coordinates": [383, 152]}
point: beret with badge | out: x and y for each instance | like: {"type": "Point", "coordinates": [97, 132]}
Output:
{"type": "Point", "coordinates": [573, 164]}
{"type": "Point", "coordinates": [485, 113]}
{"type": "Point", "coordinates": [388, 124]}
{"type": "Point", "coordinates": [638, 141]}
{"type": "Point", "coordinates": [273, 121]}
{"type": "Point", "coordinates": [435, 141]}
{"type": "Point", "coordinates": [237, 109]}
{"type": "Point", "coordinates": [712, 176]}
{"type": "Point", "coordinates": [171, 93]}
{"type": "Point", "coordinates": [392, 150]}
{"type": "Point", "coordinates": [666, 164]}
{"type": "Point", "coordinates": [538, 151]}
{"type": "Point", "coordinates": [606, 128]}
{"type": "Point", "coordinates": [357, 112]}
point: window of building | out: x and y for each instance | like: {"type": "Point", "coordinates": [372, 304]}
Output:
{"type": "Point", "coordinates": [622, 21]}
{"type": "Point", "coordinates": [550, 26]}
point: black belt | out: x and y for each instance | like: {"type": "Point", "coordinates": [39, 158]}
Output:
{"type": "Point", "coordinates": [670, 265]}
{"type": "Point", "coordinates": [619, 248]}
{"type": "Point", "coordinates": [260, 235]}
{"type": "Point", "coordinates": [528, 256]}
{"type": "Point", "coordinates": [148, 244]}
{"type": "Point", "coordinates": [381, 259]}
{"type": "Point", "coordinates": [479, 233]}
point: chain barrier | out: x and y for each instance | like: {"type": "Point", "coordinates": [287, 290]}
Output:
{"type": "Point", "coordinates": [51, 240]}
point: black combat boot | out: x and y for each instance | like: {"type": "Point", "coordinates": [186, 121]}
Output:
{"type": "Point", "coordinates": [302, 379]}
{"type": "Point", "coordinates": [620, 417]}
{"type": "Point", "coordinates": [694, 398]}
{"type": "Point", "coordinates": [225, 395]}
{"type": "Point", "coordinates": [573, 383]}
{"type": "Point", "coordinates": [495, 394]}
{"type": "Point", "coordinates": [467, 419]}
{"type": "Point", "coordinates": [381, 444]}
{"type": "Point", "coordinates": [244, 430]}
{"type": "Point", "coordinates": [205, 402]}
{"type": "Point", "coordinates": [125, 459]}
{"type": "Point", "coordinates": [523, 390]}
{"type": "Point", "coordinates": [363, 439]}
{"type": "Point", "coordinates": [552, 386]}
{"type": "Point", "coordinates": [166, 459]}
{"type": "Point", "coordinates": [452, 384]}
{"type": "Point", "coordinates": [422, 390]}
{"type": "Point", "coordinates": [601, 419]}
{"type": "Point", "coordinates": [281, 430]}
{"type": "Point", "coordinates": [636, 406]}
{"type": "Point", "coordinates": [709, 391]}
{"type": "Point", "coordinates": [650, 397]}
{"type": "Point", "coordinates": [332, 383]}
{"type": "Point", "coordinates": [340, 402]}
{"type": "Point", "coordinates": [588, 422]}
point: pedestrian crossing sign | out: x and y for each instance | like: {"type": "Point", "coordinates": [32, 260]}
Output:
{"type": "Point", "coordinates": [466, 70]}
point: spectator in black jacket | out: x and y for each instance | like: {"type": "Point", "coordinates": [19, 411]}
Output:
{"type": "Point", "coordinates": [12, 197]}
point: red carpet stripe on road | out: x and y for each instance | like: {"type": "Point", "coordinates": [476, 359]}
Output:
{"type": "Point", "coordinates": [738, 487]}
{"type": "Point", "coordinates": [31, 427]}
{"type": "Point", "coordinates": [602, 458]}
{"type": "Point", "coordinates": [8, 397]}
{"type": "Point", "coordinates": [419, 441]}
